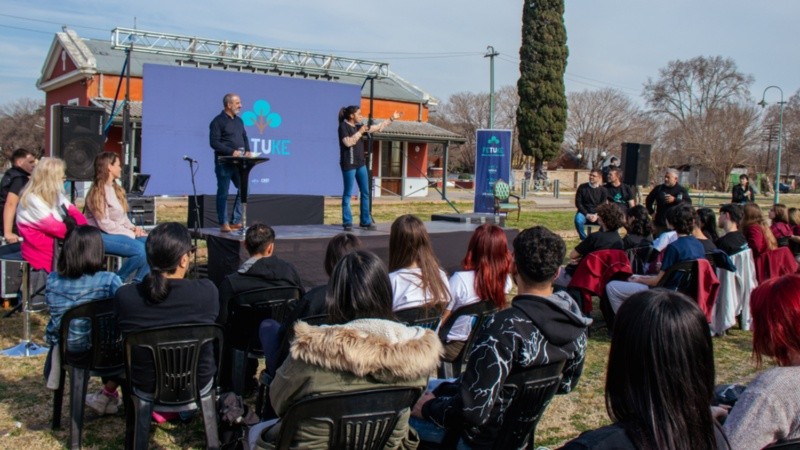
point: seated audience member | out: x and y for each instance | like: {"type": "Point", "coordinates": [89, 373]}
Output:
{"type": "Point", "coordinates": [22, 164]}
{"type": "Point", "coordinates": [261, 270]}
{"type": "Point", "coordinates": [639, 228]}
{"type": "Point", "coordinates": [611, 220]}
{"type": "Point", "coordinates": [78, 279]}
{"type": "Point", "coordinates": [619, 193]}
{"type": "Point", "coordinates": [733, 241]}
{"type": "Point", "coordinates": [759, 236]}
{"type": "Point", "coordinates": [43, 213]}
{"type": "Point", "coordinates": [540, 327]}
{"type": "Point", "coordinates": [417, 279]}
{"type": "Point", "coordinates": [769, 408]}
{"type": "Point", "coordinates": [107, 209]}
{"type": "Point", "coordinates": [486, 277]}
{"type": "Point", "coordinates": [664, 197]}
{"type": "Point", "coordinates": [363, 349]}
{"type": "Point", "coordinates": [313, 302]}
{"type": "Point", "coordinates": [705, 228]}
{"type": "Point", "coordinates": [780, 227]}
{"type": "Point", "coordinates": [166, 298]}
{"type": "Point", "coordinates": [743, 192]}
{"type": "Point", "coordinates": [658, 334]}
{"type": "Point", "coordinates": [588, 197]}
{"type": "Point", "coordinates": [685, 248]}
{"type": "Point", "coordinates": [794, 221]}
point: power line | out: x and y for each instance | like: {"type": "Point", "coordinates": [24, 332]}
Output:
{"type": "Point", "coordinates": [50, 22]}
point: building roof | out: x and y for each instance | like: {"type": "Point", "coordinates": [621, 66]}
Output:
{"type": "Point", "coordinates": [417, 132]}
{"type": "Point", "coordinates": [108, 104]}
{"type": "Point", "coordinates": [95, 56]}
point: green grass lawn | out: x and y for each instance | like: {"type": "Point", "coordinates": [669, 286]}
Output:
{"type": "Point", "coordinates": [25, 404]}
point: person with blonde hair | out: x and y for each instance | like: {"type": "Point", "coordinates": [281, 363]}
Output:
{"type": "Point", "coordinates": [417, 279]}
{"type": "Point", "coordinates": [759, 236]}
{"type": "Point", "coordinates": [44, 213]}
{"type": "Point", "coordinates": [107, 209]}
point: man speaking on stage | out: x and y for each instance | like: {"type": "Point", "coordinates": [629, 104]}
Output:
{"type": "Point", "coordinates": [228, 138]}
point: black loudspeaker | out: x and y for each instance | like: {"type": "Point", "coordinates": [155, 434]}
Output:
{"type": "Point", "coordinates": [636, 164]}
{"type": "Point", "coordinates": [78, 138]}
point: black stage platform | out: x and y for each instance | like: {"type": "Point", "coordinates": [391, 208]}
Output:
{"type": "Point", "coordinates": [304, 246]}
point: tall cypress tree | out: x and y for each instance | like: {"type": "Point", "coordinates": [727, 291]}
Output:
{"type": "Point", "coordinates": [542, 112]}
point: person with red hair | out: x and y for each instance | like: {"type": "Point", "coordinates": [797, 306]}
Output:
{"type": "Point", "coordinates": [769, 409]}
{"type": "Point", "coordinates": [486, 277]}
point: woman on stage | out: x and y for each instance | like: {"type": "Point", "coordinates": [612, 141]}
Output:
{"type": "Point", "coordinates": [353, 162]}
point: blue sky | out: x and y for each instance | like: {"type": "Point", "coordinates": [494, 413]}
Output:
{"type": "Point", "coordinates": [437, 44]}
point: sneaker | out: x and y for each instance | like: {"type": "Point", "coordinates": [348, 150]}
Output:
{"type": "Point", "coordinates": [370, 227]}
{"type": "Point", "coordinates": [348, 227]}
{"type": "Point", "coordinates": [236, 226]}
{"type": "Point", "coordinates": [114, 403]}
{"type": "Point", "coordinates": [225, 228]}
{"type": "Point", "coordinates": [99, 402]}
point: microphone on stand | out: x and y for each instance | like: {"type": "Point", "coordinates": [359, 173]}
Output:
{"type": "Point", "coordinates": [187, 158]}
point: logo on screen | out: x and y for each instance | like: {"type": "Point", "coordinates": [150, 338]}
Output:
{"type": "Point", "coordinates": [493, 148]}
{"type": "Point", "coordinates": [261, 117]}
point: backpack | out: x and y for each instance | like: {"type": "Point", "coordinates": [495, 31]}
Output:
{"type": "Point", "coordinates": [235, 419]}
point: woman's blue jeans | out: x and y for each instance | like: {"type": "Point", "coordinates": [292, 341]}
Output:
{"type": "Point", "coordinates": [361, 177]}
{"type": "Point", "coordinates": [132, 250]}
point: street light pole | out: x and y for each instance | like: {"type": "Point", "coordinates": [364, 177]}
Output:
{"type": "Point", "coordinates": [490, 53]}
{"type": "Point", "coordinates": [763, 103]}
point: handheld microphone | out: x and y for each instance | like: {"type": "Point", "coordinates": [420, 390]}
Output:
{"type": "Point", "coordinates": [187, 158]}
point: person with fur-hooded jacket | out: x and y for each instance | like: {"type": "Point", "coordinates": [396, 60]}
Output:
{"type": "Point", "coordinates": [541, 327]}
{"type": "Point", "coordinates": [365, 349]}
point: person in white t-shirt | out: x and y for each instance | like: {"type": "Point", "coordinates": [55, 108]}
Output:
{"type": "Point", "coordinates": [485, 277]}
{"type": "Point", "coordinates": [417, 279]}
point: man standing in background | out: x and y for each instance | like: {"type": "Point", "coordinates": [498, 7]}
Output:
{"type": "Point", "coordinates": [228, 138]}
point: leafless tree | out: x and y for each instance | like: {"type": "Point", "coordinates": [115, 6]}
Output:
{"type": "Point", "coordinates": [599, 121]}
{"type": "Point", "coordinates": [706, 112]}
{"type": "Point", "coordinates": [21, 125]}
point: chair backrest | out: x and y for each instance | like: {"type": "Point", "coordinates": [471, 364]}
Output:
{"type": "Point", "coordinates": [106, 353]}
{"type": "Point", "coordinates": [533, 390]}
{"type": "Point", "coordinates": [175, 350]}
{"type": "Point", "coordinates": [501, 190]}
{"type": "Point", "coordinates": [420, 317]}
{"type": "Point", "coordinates": [680, 277]}
{"type": "Point", "coordinates": [358, 420]}
{"type": "Point", "coordinates": [248, 309]}
{"type": "Point", "coordinates": [789, 444]}
{"type": "Point", "coordinates": [479, 311]}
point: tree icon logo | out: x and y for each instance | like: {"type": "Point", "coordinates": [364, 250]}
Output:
{"type": "Point", "coordinates": [261, 117]}
{"type": "Point", "coordinates": [493, 140]}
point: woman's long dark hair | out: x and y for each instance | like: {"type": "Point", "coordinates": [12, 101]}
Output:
{"type": "Point", "coordinates": [83, 253]}
{"type": "Point", "coordinates": [707, 222]}
{"type": "Point", "coordinates": [359, 288]}
{"type": "Point", "coordinates": [166, 245]}
{"type": "Point", "coordinates": [660, 378]}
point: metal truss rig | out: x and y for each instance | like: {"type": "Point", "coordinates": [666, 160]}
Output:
{"type": "Point", "coordinates": [245, 55]}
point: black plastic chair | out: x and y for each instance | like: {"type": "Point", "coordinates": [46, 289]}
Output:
{"type": "Point", "coordinates": [640, 257]}
{"type": "Point", "coordinates": [420, 317]}
{"type": "Point", "coordinates": [246, 312]}
{"type": "Point", "coordinates": [176, 351]}
{"type": "Point", "coordinates": [788, 444]}
{"type": "Point", "coordinates": [358, 420]}
{"type": "Point", "coordinates": [479, 312]}
{"type": "Point", "coordinates": [104, 358]}
{"type": "Point", "coordinates": [532, 391]}
{"type": "Point", "coordinates": [681, 277]}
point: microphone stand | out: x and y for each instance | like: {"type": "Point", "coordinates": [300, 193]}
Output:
{"type": "Point", "coordinates": [196, 233]}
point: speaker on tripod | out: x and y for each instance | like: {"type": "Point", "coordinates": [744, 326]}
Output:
{"type": "Point", "coordinates": [77, 138]}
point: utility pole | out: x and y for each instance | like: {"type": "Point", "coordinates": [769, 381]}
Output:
{"type": "Point", "coordinates": [491, 53]}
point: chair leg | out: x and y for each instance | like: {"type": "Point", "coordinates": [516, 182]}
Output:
{"type": "Point", "coordinates": [79, 381]}
{"type": "Point", "coordinates": [58, 400]}
{"type": "Point", "coordinates": [208, 407]}
{"type": "Point", "coordinates": [142, 410]}
{"type": "Point", "coordinates": [130, 415]}
{"type": "Point", "coordinates": [239, 365]}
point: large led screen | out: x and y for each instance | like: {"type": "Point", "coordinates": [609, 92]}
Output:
{"type": "Point", "coordinates": [292, 121]}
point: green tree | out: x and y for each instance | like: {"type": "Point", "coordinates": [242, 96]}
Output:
{"type": "Point", "coordinates": [542, 112]}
